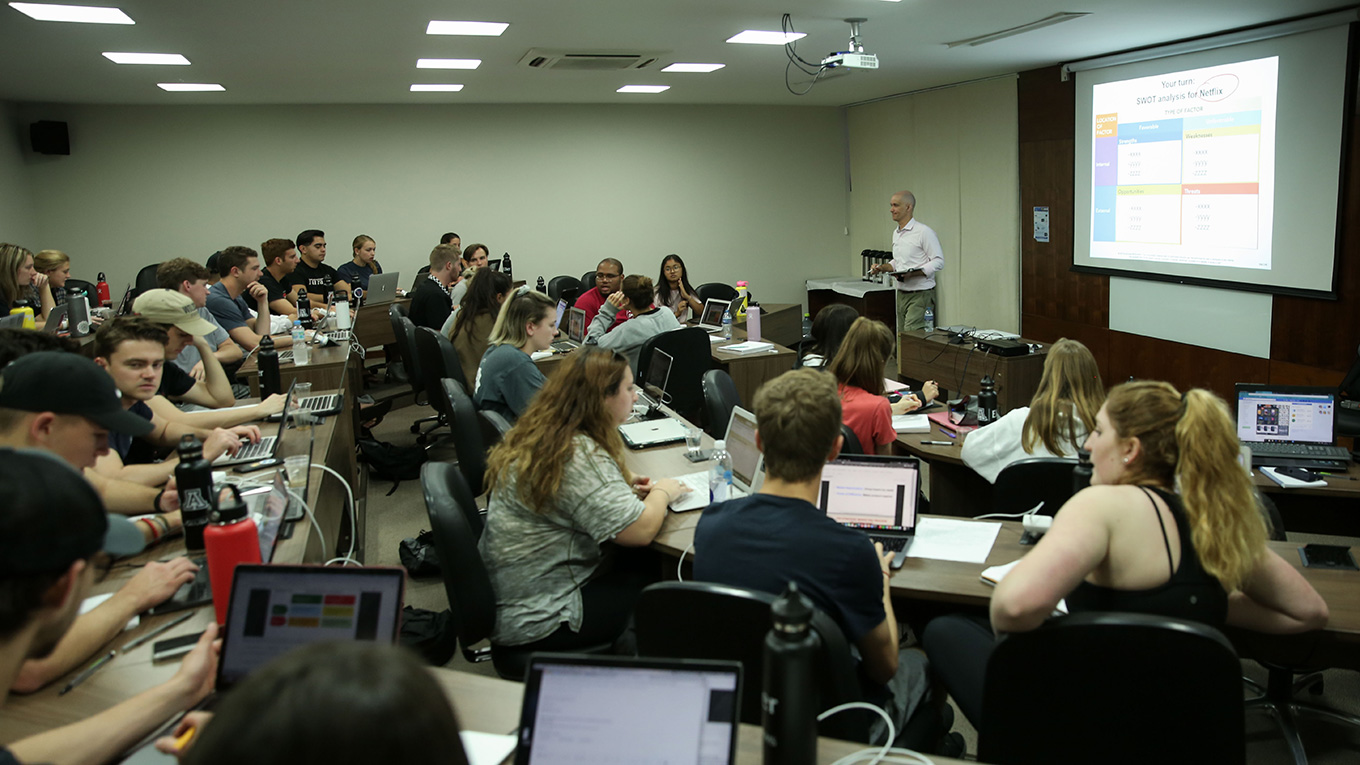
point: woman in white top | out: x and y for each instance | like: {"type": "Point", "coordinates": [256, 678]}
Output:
{"type": "Point", "coordinates": [673, 290]}
{"type": "Point", "coordinates": [1054, 424]}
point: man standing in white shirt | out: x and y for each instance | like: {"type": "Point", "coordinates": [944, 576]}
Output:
{"type": "Point", "coordinates": [916, 250]}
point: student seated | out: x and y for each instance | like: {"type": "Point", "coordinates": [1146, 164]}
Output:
{"type": "Point", "coordinates": [1054, 424]}
{"type": "Point", "coordinates": [828, 331]}
{"type": "Point", "coordinates": [430, 303]}
{"type": "Point", "coordinates": [470, 328]}
{"type": "Point", "coordinates": [327, 703]}
{"type": "Point", "coordinates": [240, 271]}
{"type": "Point", "coordinates": [673, 290]}
{"type": "Point", "coordinates": [312, 272]}
{"type": "Point", "coordinates": [608, 279]}
{"type": "Point", "coordinates": [54, 541]}
{"type": "Point", "coordinates": [508, 378]}
{"type": "Point", "coordinates": [559, 493]}
{"type": "Point", "coordinates": [648, 321]}
{"type": "Point", "coordinates": [279, 258]}
{"type": "Point", "coordinates": [474, 259]}
{"type": "Point", "coordinates": [1169, 526]}
{"type": "Point", "coordinates": [858, 368]}
{"type": "Point", "coordinates": [19, 280]}
{"type": "Point", "coordinates": [191, 280]}
{"type": "Point", "coordinates": [363, 265]}
{"type": "Point", "coordinates": [779, 535]}
{"type": "Point", "coordinates": [56, 266]}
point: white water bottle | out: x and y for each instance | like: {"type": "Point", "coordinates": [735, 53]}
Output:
{"type": "Point", "coordinates": [720, 475]}
{"type": "Point", "coordinates": [727, 324]}
{"type": "Point", "coordinates": [302, 353]}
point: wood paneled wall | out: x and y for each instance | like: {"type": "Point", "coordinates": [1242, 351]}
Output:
{"type": "Point", "coordinates": [1313, 342]}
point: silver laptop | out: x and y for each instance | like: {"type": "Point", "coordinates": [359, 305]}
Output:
{"type": "Point", "coordinates": [748, 464]}
{"type": "Point", "coordinates": [576, 330]}
{"type": "Point", "coordinates": [1290, 426]}
{"type": "Point", "coordinates": [658, 375]}
{"type": "Point", "coordinates": [265, 448]}
{"type": "Point", "coordinates": [711, 318]}
{"type": "Point", "coordinates": [382, 288]}
{"type": "Point", "coordinates": [877, 494]}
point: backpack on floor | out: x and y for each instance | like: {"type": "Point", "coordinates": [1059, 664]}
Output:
{"type": "Point", "coordinates": [432, 634]}
{"type": "Point", "coordinates": [389, 462]}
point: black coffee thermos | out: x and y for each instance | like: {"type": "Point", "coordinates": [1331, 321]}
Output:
{"type": "Point", "coordinates": [789, 698]}
{"type": "Point", "coordinates": [542, 287]}
{"type": "Point", "coordinates": [270, 383]}
{"type": "Point", "coordinates": [193, 482]}
{"type": "Point", "coordinates": [505, 266]}
{"type": "Point", "coordinates": [987, 413]}
{"type": "Point", "coordinates": [1081, 474]}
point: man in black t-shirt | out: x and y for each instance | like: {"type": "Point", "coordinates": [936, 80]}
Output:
{"type": "Point", "coordinates": [280, 259]}
{"type": "Point", "coordinates": [311, 272]}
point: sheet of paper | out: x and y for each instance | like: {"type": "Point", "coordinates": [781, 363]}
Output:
{"type": "Point", "coordinates": [486, 748]}
{"type": "Point", "coordinates": [911, 423]}
{"type": "Point", "coordinates": [93, 602]}
{"type": "Point", "coordinates": [892, 385]}
{"type": "Point", "coordinates": [958, 540]}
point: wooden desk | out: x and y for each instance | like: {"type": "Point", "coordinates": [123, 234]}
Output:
{"type": "Point", "coordinates": [372, 325]}
{"type": "Point", "coordinates": [780, 323]}
{"type": "Point", "coordinates": [323, 370]}
{"type": "Point", "coordinates": [876, 301]}
{"type": "Point", "coordinates": [960, 368]}
{"type": "Point", "coordinates": [953, 486]}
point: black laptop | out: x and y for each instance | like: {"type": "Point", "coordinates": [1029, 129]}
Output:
{"type": "Point", "coordinates": [876, 494]}
{"type": "Point", "coordinates": [1290, 426]}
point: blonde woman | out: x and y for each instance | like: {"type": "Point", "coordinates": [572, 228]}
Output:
{"type": "Point", "coordinates": [1054, 424]}
{"type": "Point", "coordinates": [507, 379]}
{"type": "Point", "coordinates": [19, 280]}
{"type": "Point", "coordinates": [1169, 526]}
{"type": "Point", "coordinates": [363, 265]}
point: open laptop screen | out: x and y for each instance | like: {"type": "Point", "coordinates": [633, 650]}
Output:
{"type": "Point", "coordinates": [658, 374]}
{"type": "Point", "coordinates": [576, 325]}
{"type": "Point", "coordinates": [1285, 415]}
{"type": "Point", "coordinates": [741, 445]}
{"type": "Point", "coordinates": [870, 492]}
{"type": "Point", "coordinates": [711, 318]}
{"type": "Point", "coordinates": [561, 309]}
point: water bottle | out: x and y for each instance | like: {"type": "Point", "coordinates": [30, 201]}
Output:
{"type": "Point", "coordinates": [270, 382]}
{"type": "Point", "coordinates": [304, 309]}
{"type": "Point", "coordinates": [753, 321]}
{"type": "Point", "coordinates": [78, 311]}
{"type": "Point", "coordinates": [789, 699]}
{"type": "Point", "coordinates": [740, 301]}
{"type": "Point", "coordinates": [987, 412]}
{"type": "Point", "coordinates": [727, 323]}
{"type": "Point", "coordinates": [542, 286]}
{"type": "Point", "coordinates": [930, 319]}
{"type": "Point", "coordinates": [720, 475]}
{"type": "Point", "coordinates": [231, 539]}
{"type": "Point", "coordinates": [193, 483]}
{"type": "Point", "coordinates": [342, 317]}
{"type": "Point", "coordinates": [101, 290]}
{"type": "Point", "coordinates": [302, 353]}
{"type": "Point", "coordinates": [505, 266]}
{"type": "Point", "coordinates": [22, 306]}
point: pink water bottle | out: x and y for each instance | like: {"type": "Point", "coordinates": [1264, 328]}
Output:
{"type": "Point", "coordinates": [753, 321]}
{"type": "Point", "coordinates": [231, 539]}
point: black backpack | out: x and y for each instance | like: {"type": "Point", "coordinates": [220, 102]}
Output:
{"type": "Point", "coordinates": [389, 462]}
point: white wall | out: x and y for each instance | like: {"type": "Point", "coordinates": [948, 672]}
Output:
{"type": "Point", "coordinates": [957, 150]}
{"type": "Point", "coordinates": [17, 223]}
{"type": "Point", "coordinates": [739, 192]}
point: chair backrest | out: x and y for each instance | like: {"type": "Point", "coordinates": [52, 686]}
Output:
{"type": "Point", "coordinates": [146, 279]}
{"type": "Point", "coordinates": [851, 444]}
{"type": "Point", "coordinates": [720, 397]}
{"type": "Point", "coordinates": [1113, 688]}
{"type": "Point", "coordinates": [438, 360]}
{"type": "Point", "coordinates": [87, 288]}
{"type": "Point", "coordinates": [406, 343]}
{"type": "Point", "coordinates": [691, 357]}
{"type": "Point", "coordinates": [702, 620]}
{"type": "Point", "coordinates": [466, 582]}
{"type": "Point", "coordinates": [716, 291]}
{"type": "Point", "coordinates": [467, 431]}
{"type": "Point", "coordinates": [558, 284]}
{"type": "Point", "coordinates": [1025, 483]}
{"type": "Point", "coordinates": [1350, 384]}
{"type": "Point", "coordinates": [587, 281]}
{"type": "Point", "coordinates": [421, 273]}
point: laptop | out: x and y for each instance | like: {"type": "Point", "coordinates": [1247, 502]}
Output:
{"type": "Point", "coordinates": [648, 433]}
{"type": "Point", "coordinates": [748, 465]}
{"type": "Point", "coordinates": [658, 375]}
{"type": "Point", "coordinates": [494, 264]}
{"type": "Point", "coordinates": [382, 288]}
{"type": "Point", "coordinates": [600, 708]}
{"type": "Point", "coordinates": [267, 445]}
{"type": "Point", "coordinates": [876, 494]}
{"type": "Point", "coordinates": [54, 319]}
{"type": "Point", "coordinates": [576, 330]}
{"type": "Point", "coordinates": [1290, 426]}
{"type": "Point", "coordinates": [125, 306]}
{"type": "Point", "coordinates": [711, 317]}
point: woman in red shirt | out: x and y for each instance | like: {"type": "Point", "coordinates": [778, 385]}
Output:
{"type": "Point", "coordinates": [858, 368]}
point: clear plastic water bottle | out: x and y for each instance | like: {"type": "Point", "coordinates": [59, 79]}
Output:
{"type": "Point", "coordinates": [930, 319]}
{"type": "Point", "coordinates": [727, 324]}
{"type": "Point", "coordinates": [720, 475]}
{"type": "Point", "coordinates": [302, 353]}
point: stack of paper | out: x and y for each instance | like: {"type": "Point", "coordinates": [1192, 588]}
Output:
{"type": "Point", "coordinates": [750, 346]}
{"type": "Point", "coordinates": [911, 423]}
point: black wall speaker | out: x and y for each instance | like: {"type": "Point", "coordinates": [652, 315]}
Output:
{"type": "Point", "coordinates": [50, 137]}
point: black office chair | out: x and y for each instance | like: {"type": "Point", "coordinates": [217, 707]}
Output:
{"type": "Point", "coordinates": [472, 435]}
{"type": "Point", "coordinates": [851, 444]}
{"type": "Point", "coordinates": [1025, 483]}
{"type": "Point", "coordinates": [421, 274]}
{"type": "Point", "coordinates": [715, 291]}
{"type": "Point", "coordinates": [587, 281]}
{"type": "Point", "coordinates": [146, 280]}
{"type": "Point", "coordinates": [86, 287]}
{"type": "Point", "coordinates": [406, 343]}
{"type": "Point", "coordinates": [720, 398]}
{"type": "Point", "coordinates": [559, 284]}
{"type": "Point", "coordinates": [691, 356]}
{"type": "Point", "coordinates": [1113, 688]}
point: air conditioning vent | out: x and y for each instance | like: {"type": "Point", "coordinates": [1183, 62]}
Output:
{"type": "Point", "coordinates": [589, 60]}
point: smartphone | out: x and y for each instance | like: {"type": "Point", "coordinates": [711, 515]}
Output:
{"type": "Point", "coordinates": [172, 647]}
{"type": "Point", "coordinates": [265, 464]}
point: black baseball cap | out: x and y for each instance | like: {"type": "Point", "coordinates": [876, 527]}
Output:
{"type": "Point", "coordinates": [53, 517]}
{"type": "Point", "coordinates": [67, 383]}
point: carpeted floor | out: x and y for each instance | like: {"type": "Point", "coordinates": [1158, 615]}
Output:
{"type": "Point", "coordinates": [392, 518]}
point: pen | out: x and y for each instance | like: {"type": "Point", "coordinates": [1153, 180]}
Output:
{"type": "Point", "coordinates": [938, 443]}
{"type": "Point", "coordinates": [90, 670]}
{"type": "Point", "coordinates": [947, 433]}
{"type": "Point", "coordinates": [158, 631]}
{"type": "Point", "coordinates": [185, 738]}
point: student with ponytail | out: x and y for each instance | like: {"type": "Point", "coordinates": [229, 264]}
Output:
{"type": "Point", "coordinates": [1169, 526]}
{"type": "Point", "coordinates": [508, 378]}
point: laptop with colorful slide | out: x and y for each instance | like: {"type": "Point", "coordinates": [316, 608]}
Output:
{"type": "Point", "coordinates": [711, 318]}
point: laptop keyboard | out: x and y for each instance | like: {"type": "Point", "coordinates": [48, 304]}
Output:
{"type": "Point", "coordinates": [322, 403]}
{"type": "Point", "coordinates": [1313, 451]}
{"type": "Point", "coordinates": [256, 451]}
{"type": "Point", "coordinates": [285, 357]}
{"type": "Point", "coordinates": [565, 345]}
{"type": "Point", "coordinates": [893, 544]}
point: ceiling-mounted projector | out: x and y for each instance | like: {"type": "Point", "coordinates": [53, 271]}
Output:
{"type": "Point", "coordinates": [855, 57]}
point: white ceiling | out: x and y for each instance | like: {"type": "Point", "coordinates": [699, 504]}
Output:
{"type": "Point", "coordinates": [355, 51]}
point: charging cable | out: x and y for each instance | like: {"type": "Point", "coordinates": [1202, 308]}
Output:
{"type": "Point", "coordinates": [348, 557]}
{"type": "Point", "coordinates": [872, 755]}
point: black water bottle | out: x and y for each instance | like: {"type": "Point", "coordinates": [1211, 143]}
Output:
{"type": "Point", "coordinates": [304, 309]}
{"type": "Point", "coordinates": [542, 286]}
{"type": "Point", "coordinates": [987, 412]}
{"type": "Point", "coordinates": [193, 482]}
{"type": "Point", "coordinates": [505, 266]}
{"type": "Point", "coordinates": [789, 699]}
{"type": "Point", "coordinates": [1081, 474]}
{"type": "Point", "coordinates": [77, 312]}
{"type": "Point", "coordinates": [270, 383]}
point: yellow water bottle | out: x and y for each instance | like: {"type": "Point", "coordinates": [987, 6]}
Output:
{"type": "Point", "coordinates": [22, 306]}
{"type": "Point", "coordinates": [739, 312]}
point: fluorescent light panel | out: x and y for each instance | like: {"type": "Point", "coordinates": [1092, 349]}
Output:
{"type": "Point", "coordinates": [644, 89]}
{"type": "Point", "coordinates": [693, 67]}
{"type": "Point", "coordinates": [436, 88]}
{"type": "Point", "coordinates": [470, 28]}
{"type": "Point", "coordinates": [158, 59]}
{"type": "Point", "coordinates": [82, 14]}
{"type": "Point", "coordinates": [759, 37]}
{"type": "Point", "coordinates": [189, 87]}
{"type": "Point", "coordinates": [448, 63]}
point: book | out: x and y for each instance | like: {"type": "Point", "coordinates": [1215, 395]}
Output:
{"type": "Point", "coordinates": [911, 423]}
{"type": "Point", "coordinates": [750, 346]}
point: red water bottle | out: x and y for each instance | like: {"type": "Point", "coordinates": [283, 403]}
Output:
{"type": "Point", "coordinates": [231, 539]}
{"type": "Point", "coordinates": [101, 291]}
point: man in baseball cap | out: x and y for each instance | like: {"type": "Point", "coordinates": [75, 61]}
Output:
{"type": "Point", "coordinates": [176, 313]}
{"type": "Point", "coordinates": [53, 534]}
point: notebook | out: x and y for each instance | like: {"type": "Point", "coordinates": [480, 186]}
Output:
{"type": "Point", "coordinates": [382, 288]}
{"type": "Point", "coordinates": [576, 329]}
{"type": "Point", "coordinates": [600, 708]}
{"type": "Point", "coordinates": [877, 494]}
{"type": "Point", "coordinates": [1289, 426]}
{"type": "Point", "coordinates": [711, 318]}
{"type": "Point", "coordinates": [748, 464]}
{"type": "Point", "coordinates": [265, 448]}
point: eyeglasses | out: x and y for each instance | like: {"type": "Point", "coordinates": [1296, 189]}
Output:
{"type": "Point", "coordinates": [673, 268]}
{"type": "Point", "coordinates": [609, 277]}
